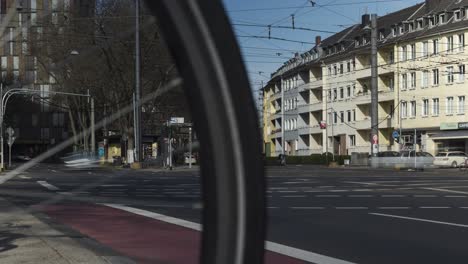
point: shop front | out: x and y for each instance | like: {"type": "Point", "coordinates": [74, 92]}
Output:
{"type": "Point", "coordinates": [451, 137]}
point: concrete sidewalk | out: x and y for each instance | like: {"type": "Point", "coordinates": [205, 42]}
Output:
{"type": "Point", "coordinates": [26, 239]}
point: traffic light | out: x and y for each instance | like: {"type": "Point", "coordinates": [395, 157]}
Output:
{"type": "Point", "coordinates": [419, 138]}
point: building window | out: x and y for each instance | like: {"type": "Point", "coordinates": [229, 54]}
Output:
{"type": "Point", "coordinates": [435, 46]}
{"type": "Point", "coordinates": [435, 106]}
{"type": "Point", "coordinates": [450, 108]}
{"type": "Point", "coordinates": [435, 77]}
{"type": "Point", "coordinates": [425, 51]}
{"type": "Point", "coordinates": [450, 75]}
{"type": "Point", "coordinates": [4, 66]}
{"type": "Point", "coordinates": [461, 73]}
{"type": "Point", "coordinates": [352, 140]}
{"type": "Point", "coordinates": [431, 22]}
{"type": "Point", "coordinates": [335, 94]}
{"type": "Point", "coordinates": [341, 93]}
{"type": "Point", "coordinates": [404, 53]}
{"type": "Point", "coordinates": [329, 71]}
{"type": "Point", "coordinates": [413, 80]}
{"type": "Point", "coordinates": [457, 15]}
{"type": "Point", "coordinates": [349, 116]}
{"type": "Point", "coordinates": [404, 81]}
{"type": "Point", "coordinates": [335, 117]}
{"type": "Point", "coordinates": [461, 42]}
{"type": "Point", "coordinates": [413, 51]}
{"type": "Point", "coordinates": [425, 107]}
{"type": "Point", "coordinates": [342, 117]}
{"type": "Point", "coordinates": [442, 18]}
{"type": "Point", "coordinates": [425, 79]}
{"type": "Point", "coordinates": [335, 70]}
{"type": "Point", "coordinates": [391, 57]}
{"type": "Point", "coordinates": [341, 68]}
{"type": "Point", "coordinates": [450, 44]}
{"type": "Point", "coordinates": [348, 91]}
{"type": "Point", "coordinates": [348, 66]}
{"type": "Point", "coordinates": [404, 109]}
{"type": "Point", "coordinates": [413, 109]}
{"type": "Point", "coordinates": [394, 31]}
{"type": "Point", "coordinates": [461, 104]}
{"type": "Point", "coordinates": [354, 64]}
{"type": "Point", "coordinates": [16, 68]}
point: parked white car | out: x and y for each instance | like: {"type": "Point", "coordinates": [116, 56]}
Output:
{"type": "Point", "coordinates": [450, 159]}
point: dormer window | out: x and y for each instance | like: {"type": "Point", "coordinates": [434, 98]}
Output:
{"type": "Point", "coordinates": [364, 40]}
{"type": "Point", "coordinates": [419, 24]}
{"type": "Point", "coordinates": [401, 29]}
{"type": "Point", "coordinates": [356, 42]}
{"type": "Point", "coordinates": [442, 18]}
{"type": "Point", "coordinates": [431, 21]}
{"type": "Point", "coordinates": [457, 15]}
{"type": "Point", "coordinates": [411, 26]}
{"type": "Point", "coordinates": [381, 34]}
{"type": "Point", "coordinates": [394, 31]}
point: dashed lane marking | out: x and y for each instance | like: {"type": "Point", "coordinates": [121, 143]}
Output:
{"type": "Point", "coordinates": [307, 208]}
{"type": "Point", "coordinates": [424, 196]}
{"type": "Point", "coordinates": [393, 208]}
{"type": "Point", "coordinates": [48, 186]}
{"type": "Point", "coordinates": [393, 196]}
{"type": "Point", "coordinates": [328, 196]}
{"type": "Point", "coordinates": [434, 207]}
{"type": "Point", "coordinates": [361, 196]}
{"type": "Point", "coordinates": [352, 208]}
{"type": "Point", "coordinates": [294, 196]}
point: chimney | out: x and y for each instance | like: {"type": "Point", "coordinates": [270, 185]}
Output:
{"type": "Point", "coordinates": [318, 40]}
{"type": "Point", "coordinates": [365, 20]}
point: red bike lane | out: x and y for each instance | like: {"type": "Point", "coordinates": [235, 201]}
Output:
{"type": "Point", "coordinates": [144, 239]}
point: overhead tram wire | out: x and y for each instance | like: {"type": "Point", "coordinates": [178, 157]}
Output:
{"type": "Point", "coordinates": [283, 27]}
{"type": "Point", "coordinates": [295, 7]}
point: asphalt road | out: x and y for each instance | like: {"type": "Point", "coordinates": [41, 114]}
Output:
{"type": "Point", "coordinates": [323, 215]}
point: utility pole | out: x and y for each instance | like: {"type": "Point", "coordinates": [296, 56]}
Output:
{"type": "Point", "coordinates": [282, 118]}
{"type": "Point", "coordinates": [374, 89]}
{"type": "Point", "coordinates": [1, 128]}
{"type": "Point", "coordinates": [137, 120]}
{"type": "Point", "coordinates": [93, 132]}
{"type": "Point", "coordinates": [190, 147]}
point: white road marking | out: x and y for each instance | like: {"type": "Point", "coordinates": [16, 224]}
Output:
{"type": "Point", "coordinates": [48, 186]}
{"type": "Point", "coordinates": [420, 219]}
{"type": "Point", "coordinates": [360, 196]}
{"type": "Point", "coordinates": [113, 185]}
{"type": "Point", "coordinates": [327, 196]}
{"type": "Point", "coordinates": [393, 208]}
{"type": "Point", "coordinates": [24, 177]}
{"type": "Point", "coordinates": [294, 196]}
{"type": "Point", "coordinates": [393, 195]}
{"type": "Point", "coordinates": [351, 208]}
{"type": "Point", "coordinates": [424, 196]}
{"type": "Point", "coordinates": [363, 183]}
{"type": "Point", "coordinates": [308, 208]}
{"type": "Point", "coordinates": [271, 246]}
{"type": "Point", "coordinates": [445, 190]}
{"type": "Point", "coordinates": [288, 191]}
{"type": "Point", "coordinates": [434, 207]}
{"type": "Point", "coordinates": [455, 196]}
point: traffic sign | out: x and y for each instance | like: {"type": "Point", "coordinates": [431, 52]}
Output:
{"type": "Point", "coordinates": [396, 134]}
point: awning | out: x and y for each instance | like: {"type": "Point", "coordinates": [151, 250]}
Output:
{"type": "Point", "coordinates": [461, 134]}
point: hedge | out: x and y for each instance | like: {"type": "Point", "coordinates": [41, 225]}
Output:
{"type": "Point", "coordinates": [314, 159]}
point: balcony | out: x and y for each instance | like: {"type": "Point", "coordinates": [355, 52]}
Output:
{"type": "Point", "coordinates": [384, 96]}
{"type": "Point", "coordinates": [307, 130]}
{"type": "Point", "coordinates": [362, 73]}
{"type": "Point", "coordinates": [318, 106]}
{"type": "Point", "coordinates": [365, 124]}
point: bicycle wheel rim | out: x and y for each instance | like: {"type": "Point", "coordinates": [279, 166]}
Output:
{"type": "Point", "coordinates": [199, 35]}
